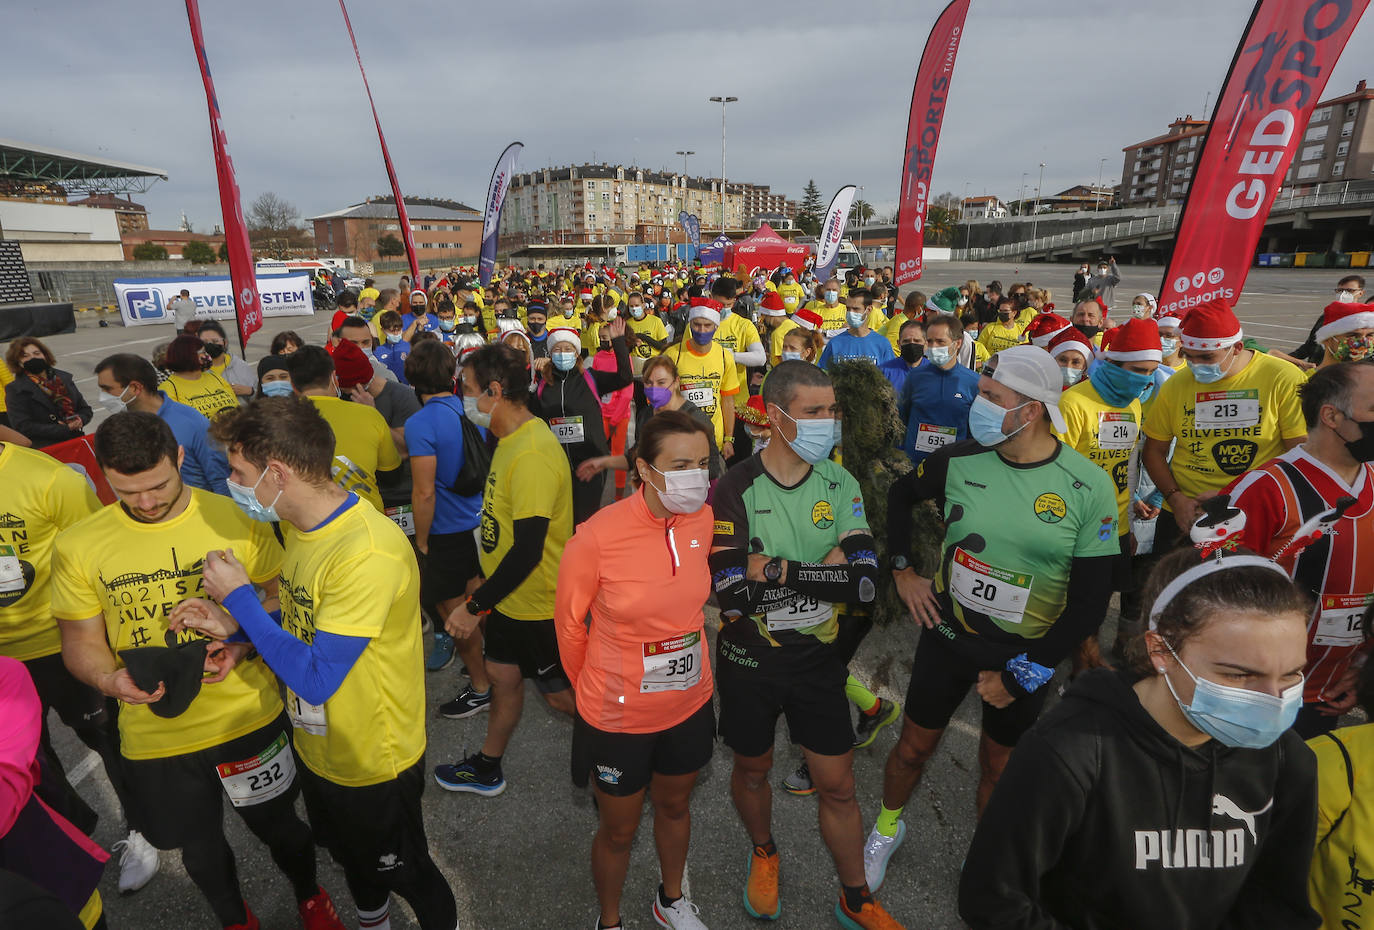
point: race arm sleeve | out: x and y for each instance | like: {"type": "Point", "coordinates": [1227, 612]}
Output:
{"type": "Point", "coordinates": [1089, 591]}
{"type": "Point", "coordinates": [729, 558]}
{"type": "Point", "coordinates": [852, 583]}
{"type": "Point", "coordinates": [752, 357]}
{"type": "Point", "coordinates": [313, 670]}
{"type": "Point", "coordinates": [578, 581]}
{"type": "Point", "coordinates": [925, 482]}
{"type": "Point", "coordinates": [608, 381]}
{"type": "Point", "coordinates": [527, 548]}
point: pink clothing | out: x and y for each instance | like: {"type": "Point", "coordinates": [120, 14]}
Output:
{"type": "Point", "coordinates": [615, 406]}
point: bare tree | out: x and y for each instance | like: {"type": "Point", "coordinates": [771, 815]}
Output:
{"type": "Point", "coordinates": [274, 225]}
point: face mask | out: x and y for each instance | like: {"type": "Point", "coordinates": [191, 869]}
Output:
{"type": "Point", "coordinates": [1140, 311]}
{"type": "Point", "coordinates": [832, 297]}
{"type": "Point", "coordinates": [1345, 297]}
{"type": "Point", "coordinates": [567, 313]}
{"type": "Point", "coordinates": [1118, 386]}
{"type": "Point", "coordinates": [963, 301]}
{"type": "Point", "coordinates": [214, 350]}
{"type": "Point", "coordinates": [940, 355]}
{"type": "Point", "coordinates": [760, 441]}
{"type": "Point", "coordinates": [536, 328]}
{"type": "Point", "coordinates": [637, 312]}
{"type": "Point", "coordinates": [1362, 449]}
{"type": "Point", "coordinates": [35, 366]}
{"type": "Point", "coordinates": [911, 353]}
{"type": "Point", "coordinates": [703, 339]}
{"type": "Point", "coordinates": [476, 417]}
{"type": "Point", "coordinates": [1071, 376]}
{"type": "Point", "coordinates": [113, 403]}
{"type": "Point", "coordinates": [612, 313]}
{"type": "Point", "coordinates": [791, 356]}
{"type": "Point", "coordinates": [367, 312]}
{"type": "Point", "coordinates": [985, 421]}
{"type": "Point", "coordinates": [815, 438]}
{"type": "Point", "coordinates": [1102, 272]}
{"type": "Point", "coordinates": [1208, 374]}
{"type": "Point", "coordinates": [1088, 331]}
{"type": "Point", "coordinates": [448, 326]}
{"type": "Point", "coordinates": [1168, 346]}
{"type": "Point", "coordinates": [564, 361]}
{"type": "Point", "coordinates": [417, 309]}
{"type": "Point", "coordinates": [393, 338]}
{"type": "Point", "coordinates": [683, 491]}
{"type": "Point", "coordinates": [1238, 717]}
{"type": "Point", "coordinates": [277, 389]}
{"type": "Point", "coordinates": [868, 282]}
{"type": "Point", "coordinates": [247, 499]}
{"type": "Point", "coordinates": [855, 320]}
{"type": "Point", "coordinates": [657, 396]}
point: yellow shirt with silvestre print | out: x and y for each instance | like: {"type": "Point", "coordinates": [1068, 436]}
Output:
{"type": "Point", "coordinates": [792, 296]}
{"type": "Point", "coordinates": [1244, 421]}
{"type": "Point", "coordinates": [1105, 435]}
{"type": "Point", "coordinates": [833, 320]}
{"type": "Point", "coordinates": [650, 326]}
{"type": "Point", "coordinates": [41, 497]}
{"type": "Point", "coordinates": [133, 574]}
{"type": "Point", "coordinates": [356, 576]}
{"type": "Point", "coordinates": [706, 378]}
{"type": "Point", "coordinates": [737, 334]}
{"type": "Point", "coordinates": [363, 446]}
{"type": "Point", "coordinates": [209, 393]}
{"type": "Point", "coordinates": [997, 336]}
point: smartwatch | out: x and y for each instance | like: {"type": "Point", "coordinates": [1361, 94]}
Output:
{"type": "Point", "coordinates": [772, 571]}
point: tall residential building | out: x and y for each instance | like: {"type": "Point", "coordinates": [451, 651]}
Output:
{"type": "Point", "coordinates": [1337, 146]}
{"type": "Point", "coordinates": [444, 231]}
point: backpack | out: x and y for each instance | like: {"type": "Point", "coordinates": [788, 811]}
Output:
{"type": "Point", "coordinates": [472, 476]}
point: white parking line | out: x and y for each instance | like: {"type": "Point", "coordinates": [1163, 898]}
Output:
{"type": "Point", "coordinates": [83, 768]}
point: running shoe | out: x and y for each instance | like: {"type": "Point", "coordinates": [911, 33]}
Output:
{"type": "Point", "coordinates": [869, 917]}
{"type": "Point", "coordinates": [441, 654]}
{"type": "Point", "coordinates": [317, 912]}
{"type": "Point", "coordinates": [467, 703]}
{"type": "Point", "coordinates": [799, 782]}
{"type": "Point", "coordinates": [870, 724]}
{"type": "Point", "coordinates": [138, 862]}
{"type": "Point", "coordinates": [249, 923]}
{"type": "Point", "coordinates": [877, 851]}
{"type": "Point", "coordinates": [464, 775]}
{"type": "Point", "coordinates": [761, 891]}
{"type": "Point", "coordinates": [680, 915]}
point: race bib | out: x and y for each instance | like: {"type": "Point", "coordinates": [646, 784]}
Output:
{"type": "Point", "coordinates": [11, 572]}
{"type": "Point", "coordinates": [1340, 620]}
{"type": "Point", "coordinates": [404, 517]}
{"type": "Point", "coordinates": [261, 777]}
{"type": "Point", "coordinates": [1227, 409]}
{"type": "Point", "coordinates": [1116, 431]}
{"type": "Point", "coordinates": [307, 717]}
{"type": "Point", "coordinates": [988, 589]}
{"type": "Point", "coordinates": [931, 437]}
{"type": "Point", "coordinates": [567, 429]}
{"type": "Point", "coordinates": [672, 664]}
{"type": "Point", "coordinates": [701, 395]}
{"type": "Point", "coordinates": [801, 612]}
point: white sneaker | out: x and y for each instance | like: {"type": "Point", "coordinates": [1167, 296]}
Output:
{"type": "Point", "coordinates": [680, 915]}
{"type": "Point", "coordinates": [138, 862]}
{"type": "Point", "coordinates": [877, 851]}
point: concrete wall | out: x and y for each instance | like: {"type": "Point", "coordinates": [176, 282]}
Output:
{"type": "Point", "coordinates": [49, 232]}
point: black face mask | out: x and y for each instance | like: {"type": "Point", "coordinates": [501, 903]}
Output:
{"type": "Point", "coordinates": [35, 366]}
{"type": "Point", "coordinates": [214, 349]}
{"type": "Point", "coordinates": [536, 328]}
{"type": "Point", "coordinates": [1362, 449]}
{"type": "Point", "coordinates": [912, 353]}
{"type": "Point", "coordinates": [1087, 331]}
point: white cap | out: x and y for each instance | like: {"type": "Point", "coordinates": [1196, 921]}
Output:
{"type": "Point", "coordinates": [1030, 371]}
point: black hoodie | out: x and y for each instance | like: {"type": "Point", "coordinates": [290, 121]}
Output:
{"type": "Point", "coordinates": [1103, 820]}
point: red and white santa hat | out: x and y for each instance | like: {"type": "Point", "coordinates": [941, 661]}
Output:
{"type": "Point", "coordinates": [1044, 328]}
{"type": "Point", "coordinates": [586, 295]}
{"type": "Point", "coordinates": [1136, 340]}
{"type": "Point", "coordinates": [1339, 319]}
{"type": "Point", "coordinates": [1169, 319]}
{"type": "Point", "coordinates": [564, 334]}
{"type": "Point", "coordinates": [1070, 340]}
{"type": "Point", "coordinates": [771, 305]}
{"type": "Point", "coordinates": [807, 319]}
{"type": "Point", "coordinates": [1210, 326]}
{"type": "Point", "coordinates": [704, 308]}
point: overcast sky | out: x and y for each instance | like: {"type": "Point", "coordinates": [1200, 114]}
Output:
{"type": "Point", "coordinates": [1062, 82]}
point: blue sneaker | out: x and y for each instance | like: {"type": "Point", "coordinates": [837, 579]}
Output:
{"type": "Point", "coordinates": [441, 655]}
{"type": "Point", "coordinates": [464, 776]}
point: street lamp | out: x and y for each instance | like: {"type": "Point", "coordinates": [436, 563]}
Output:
{"type": "Point", "coordinates": [859, 215]}
{"type": "Point", "coordinates": [684, 161]}
{"type": "Point", "coordinates": [1021, 197]}
{"type": "Point", "coordinates": [1097, 194]}
{"type": "Point", "coordinates": [1035, 223]}
{"type": "Point", "coordinates": [722, 101]}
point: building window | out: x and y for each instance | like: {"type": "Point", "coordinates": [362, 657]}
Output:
{"type": "Point", "coordinates": [1315, 134]}
{"type": "Point", "coordinates": [1313, 151]}
{"type": "Point", "coordinates": [1338, 169]}
{"type": "Point", "coordinates": [591, 219]}
{"type": "Point", "coordinates": [1342, 149]}
{"type": "Point", "coordinates": [605, 185]}
{"type": "Point", "coordinates": [1347, 128]}
{"type": "Point", "coordinates": [1307, 172]}
{"type": "Point", "coordinates": [1320, 115]}
{"type": "Point", "coordinates": [1351, 109]}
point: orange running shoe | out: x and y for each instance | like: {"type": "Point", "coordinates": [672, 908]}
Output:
{"type": "Point", "coordinates": [871, 916]}
{"type": "Point", "coordinates": [761, 892]}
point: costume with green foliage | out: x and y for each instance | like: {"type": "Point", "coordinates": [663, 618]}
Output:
{"type": "Point", "coordinates": [871, 453]}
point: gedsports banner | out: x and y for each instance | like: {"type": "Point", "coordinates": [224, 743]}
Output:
{"type": "Point", "coordinates": [923, 135]}
{"type": "Point", "coordinates": [491, 219]}
{"type": "Point", "coordinates": [1276, 77]}
{"type": "Point", "coordinates": [143, 301]}
{"type": "Point", "coordinates": [247, 309]}
{"type": "Point", "coordinates": [832, 231]}
{"type": "Point", "coordinates": [402, 219]}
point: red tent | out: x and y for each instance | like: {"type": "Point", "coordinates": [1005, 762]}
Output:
{"type": "Point", "coordinates": [765, 249]}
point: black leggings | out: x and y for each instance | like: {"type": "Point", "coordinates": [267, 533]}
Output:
{"type": "Point", "coordinates": [209, 860]}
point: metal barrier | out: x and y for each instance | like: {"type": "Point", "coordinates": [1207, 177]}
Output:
{"type": "Point", "coordinates": [93, 288]}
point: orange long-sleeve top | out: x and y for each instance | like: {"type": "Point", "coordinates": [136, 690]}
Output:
{"type": "Point", "coordinates": [642, 665]}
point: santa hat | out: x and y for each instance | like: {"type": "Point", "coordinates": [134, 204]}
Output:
{"type": "Point", "coordinates": [1070, 339]}
{"type": "Point", "coordinates": [1103, 305]}
{"type": "Point", "coordinates": [753, 411]}
{"type": "Point", "coordinates": [807, 319]}
{"type": "Point", "coordinates": [564, 334]}
{"type": "Point", "coordinates": [1170, 319]}
{"type": "Point", "coordinates": [1339, 319]}
{"type": "Point", "coordinates": [1136, 340]}
{"type": "Point", "coordinates": [1044, 328]}
{"type": "Point", "coordinates": [771, 305]}
{"type": "Point", "coordinates": [704, 308]}
{"type": "Point", "coordinates": [424, 298]}
{"type": "Point", "coordinates": [586, 295]}
{"type": "Point", "coordinates": [1210, 326]}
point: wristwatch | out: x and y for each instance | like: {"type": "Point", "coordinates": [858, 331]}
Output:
{"type": "Point", "coordinates": [772, 571]}
{"type": "Point", "coordinates": [900, 563]}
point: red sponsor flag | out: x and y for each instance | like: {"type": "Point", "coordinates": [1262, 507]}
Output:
{"type": "Point", "coordinates": [401, 216]}
{"type": "Point", "coordinates": [79, 453]}
{"type": "Point", "coordinates": [243, 273]}
{"type": "Point", "coordinates": [1276, 78]}
{"type": "Point", "coordinates": [923, 135]}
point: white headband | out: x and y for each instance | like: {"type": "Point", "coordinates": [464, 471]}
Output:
{"type": "Point", "coordinates": [700, 312]}
{"type": "Point", "coordinates": [1173, 588]}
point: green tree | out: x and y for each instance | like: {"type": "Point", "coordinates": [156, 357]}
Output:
{"type": "Point", "coordinates": [149, 252]}
{"type": "Point", "coordinates": [810, 213]}
{"type": "Point", "coordinates": [861, 211]}
{"type": "Point", "coordinates": [940, 223]}
{"type": "Point", "coordinates": [224, 251]}
{"type": "Point", "coordinates": [389, 245]}
{"type": "Point", "coordinates": [198, 252]}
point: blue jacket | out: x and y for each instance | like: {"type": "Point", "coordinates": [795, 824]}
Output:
{"type": "Point", "coordinates": [896, 370]}
{"type": "Point", "coordinates": [875, 347]}
{"type": "Point", "coordinates": [393, 355]}
{"type": "Point", "coordinates": [205, 466]}
{"type": "Point", "coordinates": [937, 397]}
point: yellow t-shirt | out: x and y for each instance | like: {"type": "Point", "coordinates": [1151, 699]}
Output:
{"type": "Point", "coordinates": [134, 574]}
{"type": "Point", "coordinates": [591, 337]}
{"type": "Point", "coordinates": [1246, 418]}
{"type": "Point", "coordinates": [833, 320]}
{"type": "Point", "coordinates": [6, 376]}
{"type": "Point", "coordinates": [209, 393]}
{"type": "Point", "coordinates": [41, 497]}
{"type": "Point", "coordinates": [1105, 435]}
{"type": "Point", "coordinates": [556, 319]}
{"type": "Point", "coordinates": [775, 340]}
{"type": "Point", "coordinates": [356, 576]}
{"type": "Point", "coordinates": [995, 336]}
{"type": "Point", "coordinates": [792, 296]}
{"type": "Point", "coordinates": [877, 319]}
{"type": "Point", "coordinates": [650, 326]}
{"type": "Point", "coordinates": [892, 329]}
{"type": "Point", "coordinates": [529, 477]}
{"type": "Point", "coordinates": [705, 379]}
{"type": "Point", "coordinates": [1345, 821]}
{"type": "Point", "coordinates": [737, 334]}
{"type": "Point", "coordinates": [362, 446]}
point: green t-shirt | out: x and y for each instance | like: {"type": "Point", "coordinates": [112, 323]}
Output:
{"type": "Point", "coordinates": [799, 524]}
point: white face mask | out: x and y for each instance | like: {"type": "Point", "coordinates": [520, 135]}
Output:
{"type": "Point", "coordinates": [683, 491]}
{"type": "Point", "coordinates": [113, 403]}
{"type": "Point", "coordinates": [1345, 297]}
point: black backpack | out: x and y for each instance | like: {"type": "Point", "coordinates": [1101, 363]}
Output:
{"type": "Point", "coordinates": [472, 476]}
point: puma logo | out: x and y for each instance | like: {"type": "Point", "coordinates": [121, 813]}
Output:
{"type": "Point", "coordinates": [1225, 807]}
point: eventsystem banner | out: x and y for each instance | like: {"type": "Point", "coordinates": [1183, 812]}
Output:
{"type": "Point", "coordinates": [143, 301]}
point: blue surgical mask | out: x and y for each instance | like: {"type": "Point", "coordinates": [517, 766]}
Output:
{"type": "Point", "coordinates": [1118, 386]}
{"type": "Point", "coordinates": [393, 338]}
{"type": "Point", "coordinates": [855, 319]}
{"type": "Point", "coordinates": [1207, 374]}
{"type": "Point", "coordinates": [247, 499]}
{"type": "Point", "coordinates": [985, 421]}
{"type": "Point", "coordinates": [815, 438]}
{"type": "Point", "coordinates": [476, 417]}
{"type": "Point", "coordinates": [1168, 346]}
{"type": "Point", "coordinates": [832, 297]}
{"type": "Point", "coordinates": [703, 339]}
{"type": "Point", "coordinates": [1071, 376]}
{"type": "Point", "coordinates": [448, 325]}
{"type": "Point", "coordinates": [276, 389]}
{"type": "Point", "coordinates": [791, 356]}
{"type": "Point", "coordinates": [940, 355]}
{"type": "Point", "coordinates": [1238, 717]}
{"type": "Point", "coordinates": [564, 361]}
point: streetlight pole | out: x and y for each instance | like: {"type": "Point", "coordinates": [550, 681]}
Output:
{"type": "Point", "coordinates": [1097, 194]}
{"type": "Point", "coordinates": [860, 217]}
{"type": "Point", "coordinates": [1035, 223]}
{"type": "Point", "coordinates": [1021, 196]}
{"type": "Point", "coordinates": [722, 101]}
{"type": "Point", "coordinates": [684, 161]}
